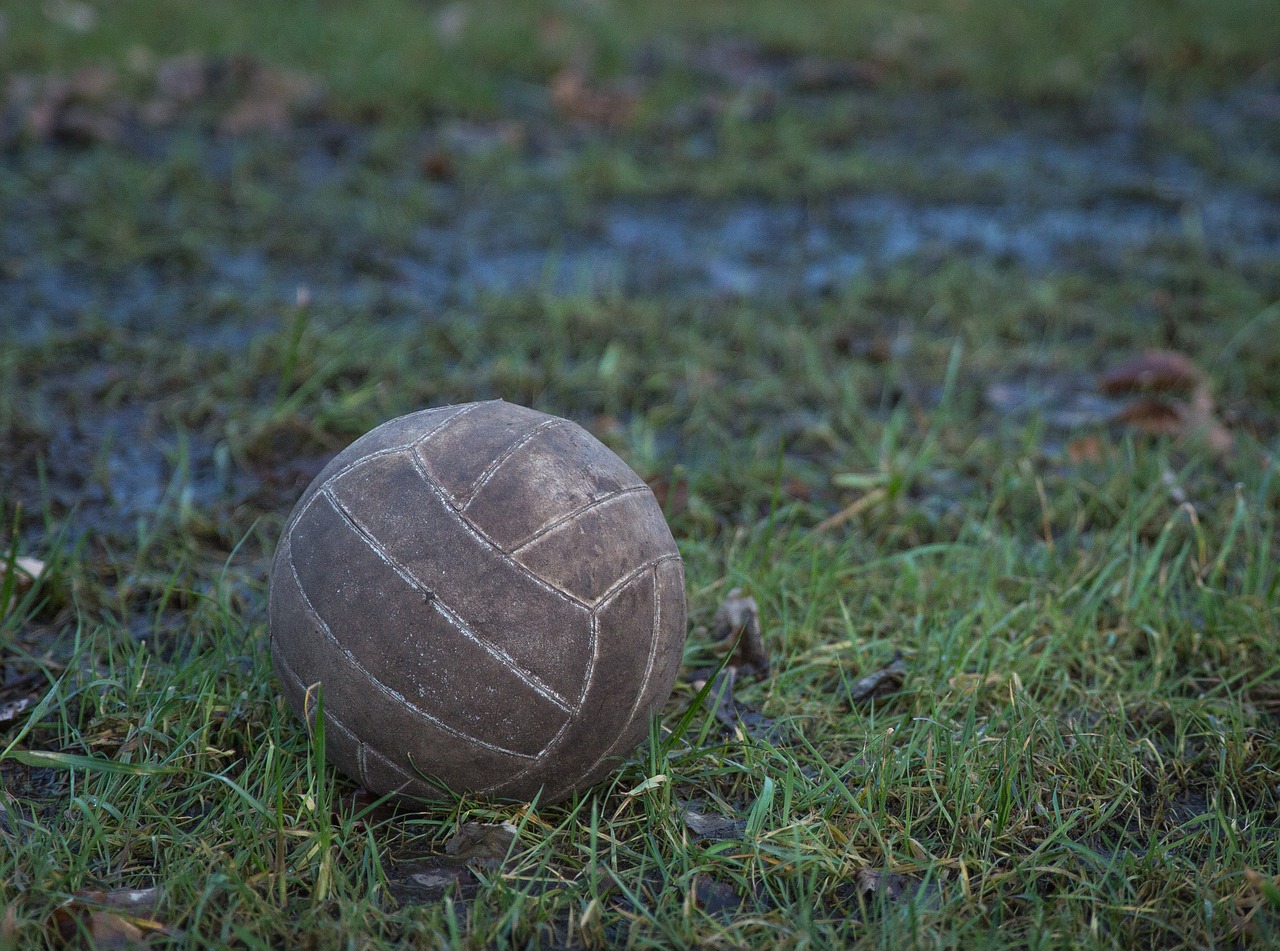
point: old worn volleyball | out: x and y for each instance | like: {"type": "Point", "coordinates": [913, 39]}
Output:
{"type": "Point", "coordinates": [489, 600]}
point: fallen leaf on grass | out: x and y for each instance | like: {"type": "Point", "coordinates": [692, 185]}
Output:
{"type": "Point", "coordinates": [438, 165]}
{"type": "Point", "coordinates": [739, 617]}
{"type": "Point", "coordinates": [896, 888]}
{"type": "Point", "coordinates": [13, 709]}
{"type": "Point", "coordinates": [116, 919]}
{"type": "Point", "coordinates": [1086, 449]}
{"type": "Point", "coordinates": [26, 572]}
{"type": "Point", "coordinates": [480, 844]}
{"type": "Point", "coordinates": [1268, 888]}
{"type": "Point", "coordinates": [420, 883]}
{"type": "Point", "coordinates": [708, 825]}
{"type": "Point", "coordinates": [886, 680]}
{"type": "Point", "coordinates": [1171, 397]}
{"type": "Point", "coordinates": [741, 721]}
{"type": "Point", "coordinates": [715, 897]}
{"type": "Point", "coordinates": [1156, 371]}
{"type": "Point", "coordinates": [574, 98]}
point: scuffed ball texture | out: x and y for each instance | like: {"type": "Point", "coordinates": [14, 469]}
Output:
{"type": "Point", "coordinates": [490, 600]}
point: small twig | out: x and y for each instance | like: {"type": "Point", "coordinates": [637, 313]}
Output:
{"type": "Point", "coordinates": [851, 511]}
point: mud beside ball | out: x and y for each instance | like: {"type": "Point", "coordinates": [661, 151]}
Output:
{"type": "Point", "coordinates": [489, 599]}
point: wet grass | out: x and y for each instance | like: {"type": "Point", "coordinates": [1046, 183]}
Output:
{"type": "Point", "coordinates": [398, 56]}
{"type": "Point", "coordinates": [1083, 751]}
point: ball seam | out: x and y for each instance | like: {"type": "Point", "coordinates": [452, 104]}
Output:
{"type": "Point", "coordinates": [477, 533]}
{"type": "Point", "coordinates": [386, 689]}
{"type": "Point", "coordinates": [530, 680]}
{"type": "Point", "coordinates": [556, 523]}
{"type": "Point", "coordinates": [496, 464]}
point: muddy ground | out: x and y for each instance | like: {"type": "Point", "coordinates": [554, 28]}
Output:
{"type": "Point", "coordinates": [408, 232]}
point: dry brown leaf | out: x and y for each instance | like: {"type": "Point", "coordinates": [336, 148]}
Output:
{"type": "Point", "coordinates": [742, 721]}
{"type": "Point", "coordinates": [708, 825]}
{"type": "Point", "coordinates": [438, 165]}
{"type": "Point", "coordinates": [1156, 371]}
{"type": "Point", "coordinates": [105, 929]}
{"type": "Point", "coordinates": [574, 98]}
{"type": "Point", "coordinates": [798, 489]}
{"type": "Point", "coordinates": [1086, 449]}
{"type": "Point", "coordinates": [888, 679]}
{"type": "Point", "coordinates": [739, 618]}
{"type": "Point", "coordinates": [1154, 416]}
{"type": "Point", "coordinates": [1154, 378]}
{"type": "Point", "coordinates": [480, 844]}
{"type": "Point", "coordinates": [13, 709]}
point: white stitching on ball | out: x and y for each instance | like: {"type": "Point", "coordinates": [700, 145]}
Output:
{"type": "Point", "coordinates": [555, 523]}
{"type": "Point", "coordinates": [385, 689]}
{"type": "Point", "coordinates": [493, 467]}
{"type": "Point", "coordinates": [535, 683]}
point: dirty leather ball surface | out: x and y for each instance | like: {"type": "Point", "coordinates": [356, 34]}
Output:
{"type": "Point", "coordinates": [488, 597]}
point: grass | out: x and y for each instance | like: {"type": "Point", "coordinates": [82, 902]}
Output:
{"type": "Point", "coordinates": [1083, 751]}
{"type": "Point", "coordinates": [398, 55]}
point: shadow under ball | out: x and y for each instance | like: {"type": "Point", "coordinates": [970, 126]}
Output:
{"type": "Point", "coordinates": [489, 599]}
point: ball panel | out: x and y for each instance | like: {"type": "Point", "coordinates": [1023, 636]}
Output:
{"type": "Point", "coordinates": [307, 645]}
{"type": "Point", "coordinates": [668, 612]}
{"type": "Point", "coordinates": [291, 619]}
{"type": "Point", "coordinates": [671, 625]}
{"type": "Point", "coordinates": [558, 472]}
{"type": "Point", "coordinates": [341, 746]}
{"type": "Point", "coordinates": [544, 633]}
{"type": "Point", "coordinates": [587, 555]}
{"type": "Point", "coordinates": [409, 644]}
{"type": "Point", "coordinates": [395, 731]}
{"type": "Point", "coordinates": [459, 455]}
{"type": "Point", "coordinates": [381, 774]}
{"type": "Point", "coordinates": [397, 433]}
{"type": "Point", "coordinates": [613, 701]}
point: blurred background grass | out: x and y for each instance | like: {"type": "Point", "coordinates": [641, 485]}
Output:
{"type": "Point", "coordinates": [410, 57]}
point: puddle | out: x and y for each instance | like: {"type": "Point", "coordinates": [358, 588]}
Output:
{"type": "Point", "coordinates": [1043, 194]}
